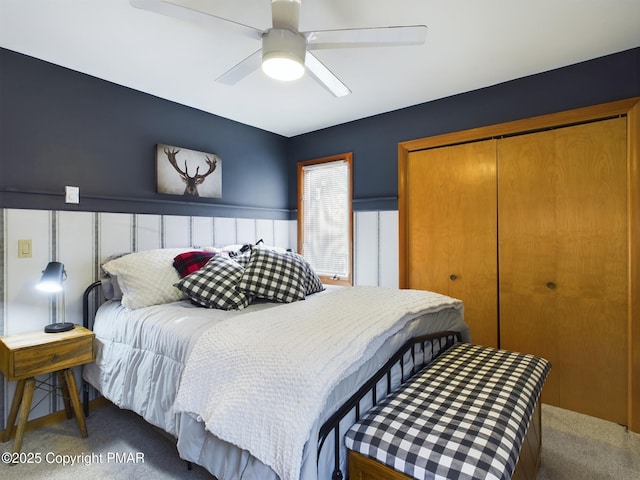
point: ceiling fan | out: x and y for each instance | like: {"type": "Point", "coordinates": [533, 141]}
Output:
{"type": "Point", "coordinates": [286, 52]}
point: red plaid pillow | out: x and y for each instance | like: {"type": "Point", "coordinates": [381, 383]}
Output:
{"type": "Point", "coordinates": [190, 262]}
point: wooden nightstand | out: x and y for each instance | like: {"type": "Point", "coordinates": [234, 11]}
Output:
{"type": "Point", "coordinates": [25, 355]}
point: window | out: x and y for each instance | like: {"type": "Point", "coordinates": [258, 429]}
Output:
{"type": "Point", "coordinates": [325, 218]}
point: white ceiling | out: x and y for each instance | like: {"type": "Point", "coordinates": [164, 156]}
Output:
{"type": "Point", "coordinates": [470, 44]}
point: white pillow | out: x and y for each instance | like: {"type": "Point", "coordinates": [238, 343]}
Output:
{"type": "Point", "coordinates": [146, 278]}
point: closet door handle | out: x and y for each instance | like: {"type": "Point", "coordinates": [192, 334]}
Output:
{"type": "Point", "coordinates": [551, 285]}
{"type": "Point", "coordinates": [453, 277]}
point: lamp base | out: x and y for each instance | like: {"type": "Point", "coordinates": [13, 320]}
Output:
{"type": "Point", "coordinates": [59, 327]}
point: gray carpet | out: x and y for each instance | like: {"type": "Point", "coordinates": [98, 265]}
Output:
{"type": "Point", "coordinates": [578, 447]}
{"type": "Point", "coordinates": [575, 447]}
{"type": "Point", "coordinates": [111, 431]}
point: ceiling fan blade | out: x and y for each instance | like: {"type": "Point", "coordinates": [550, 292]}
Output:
{"type": "Point", "coordinates": [181, 12]}
{"type": "Point", "coordinates": [242, 69]}
{"type": "Point", "coordinates": [324, 76]}
{"type": "Point", "coordinates": [366, 37]}
{"type": "Point", "coordinates": [285, 14]}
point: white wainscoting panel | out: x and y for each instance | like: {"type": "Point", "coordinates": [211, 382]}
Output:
{"type": "Point", "coordinates": [27, 308]}
{"type": "Point", "coordinates": [177, 231]}
{"type": "Point", "coordinates": [245, 230]}
{"type": "Point", "coordinates": [265, 230]}
{"type": "Point", "coordinates": [147, 232]}
{"type": "Point", "coordinates": [202, 228]}
{"type": "Point", "coordinates": [225, 231]}
{"type": "Point", "coordinates": [75, 240]}
{"type": "Point", "coordinates": [83, 240]}
{"type": "Point", "coordinates": [115, 234]}
{"type": "Point", "coordinates": [376, 248]}
{"type": "Point", "coordinates": [285, 232]}
{"type": "Point", "coordinates": [388, 249]}
{"type": "Point", "coordinates": [366, 254]}
{"type": "Point", "coordinates": [293, 235]}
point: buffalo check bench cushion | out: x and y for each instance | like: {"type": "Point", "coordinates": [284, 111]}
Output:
{"type": "Point", "coordinates": [464, 416]}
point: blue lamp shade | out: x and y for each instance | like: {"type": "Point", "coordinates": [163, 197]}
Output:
{"type": "Point", "coordinates": [51, 282]}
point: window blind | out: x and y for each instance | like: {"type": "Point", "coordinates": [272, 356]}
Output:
{"type": "Point", "coordinates": [326, 202]}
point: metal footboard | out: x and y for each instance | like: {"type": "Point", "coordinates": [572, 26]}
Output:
{"type": "Point", "coordinates": [412, 357]}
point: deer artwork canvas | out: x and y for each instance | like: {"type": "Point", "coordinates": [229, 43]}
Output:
{"type": "Point", "coordinates": [188, 172]}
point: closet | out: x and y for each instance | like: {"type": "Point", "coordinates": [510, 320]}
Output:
{"type": "Point", "coordinates": [453, 229]}
{"type": "Point", "coordinates": [535, 225]}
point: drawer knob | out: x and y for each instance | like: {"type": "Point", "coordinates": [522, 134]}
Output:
{"type": "Point", "coordinates": [453, 276]}
{"type": "Point", "coordinates": [551, 285]}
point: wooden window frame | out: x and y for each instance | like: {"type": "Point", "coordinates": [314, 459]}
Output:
{"type": "Point", "coordinates": [346, 280]}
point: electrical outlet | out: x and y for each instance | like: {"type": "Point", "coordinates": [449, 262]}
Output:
{"type": "Point", "coordinates": [72, 194]}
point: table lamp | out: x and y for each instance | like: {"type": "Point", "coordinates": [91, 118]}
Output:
{"type": "Point", "coordinates": [51, 282]}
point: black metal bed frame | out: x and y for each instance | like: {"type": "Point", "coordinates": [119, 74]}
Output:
{"type": "Point", "coordinates": [420, 351]}
{"type": "Point", "coordinates": [94, 291]}
{"type": "Point", "coordinates": [415, 354]}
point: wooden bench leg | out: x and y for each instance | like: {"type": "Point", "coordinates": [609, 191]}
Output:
{"type": "Point", "coordinates": [25, 407]}
{"type": "Point", "coordinates": [13, 413]}
{"type": "Point", "coordinates": [72, 389]}
{"type": "Point", "coordinates": [65, 394]}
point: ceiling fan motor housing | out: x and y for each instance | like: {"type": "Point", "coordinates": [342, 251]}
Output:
{"type": "Point", "coordinates": [283, 53]}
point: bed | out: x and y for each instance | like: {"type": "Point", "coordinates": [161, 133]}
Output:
{"type": "Point", "coordinates": [261, 391]}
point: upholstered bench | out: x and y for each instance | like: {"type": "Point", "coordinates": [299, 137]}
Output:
{"type": "Point", "coordinates": [465, 415]}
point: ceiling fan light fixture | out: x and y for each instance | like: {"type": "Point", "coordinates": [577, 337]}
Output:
{"type": "Point", "coordinates": [282, 68]}
{"type": "Point", "coordinates": [283, 53]}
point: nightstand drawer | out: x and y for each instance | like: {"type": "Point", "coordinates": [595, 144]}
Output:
{"type": "Point", "coordinates": [35, 353]}
{"type": "Point", "coordinates": [57, 356]}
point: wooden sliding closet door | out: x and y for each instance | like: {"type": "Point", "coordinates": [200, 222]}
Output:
{"type": "Point", "coordinates": [563, 260]}
{"type": "Point", "coordinates": [451, 235]}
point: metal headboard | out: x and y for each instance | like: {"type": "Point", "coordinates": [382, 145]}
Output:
{"type": "Point", "coordinates": [91, 299]}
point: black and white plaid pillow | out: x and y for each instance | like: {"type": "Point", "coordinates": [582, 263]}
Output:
{"type": "Point", "coordinates": [243, 259]}
{"type": "Point", "coordinates": [214, 285]}
{"type": "Point", "coordinates": [313, 284]}
{"type": "Point", "coordinates": [274, 276]}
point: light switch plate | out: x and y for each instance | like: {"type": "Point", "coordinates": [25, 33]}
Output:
{"type": "Point", "coordinates": [72, 194]}
{"type": "Point", "coordinates": [24, 249]}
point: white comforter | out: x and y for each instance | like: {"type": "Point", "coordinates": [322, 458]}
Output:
{"type": "Point", "coordinates": [141, 354]}
{"type": "Point", "coordinates": [267, 402]}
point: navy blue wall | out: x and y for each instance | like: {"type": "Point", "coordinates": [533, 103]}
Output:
{"type": "Point", "coordinates": [374, 141]}
{"type": "Point", "coordinates": [59, 127]}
